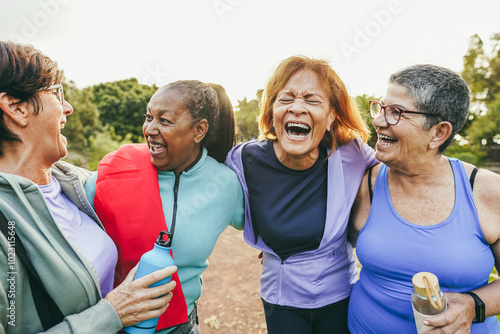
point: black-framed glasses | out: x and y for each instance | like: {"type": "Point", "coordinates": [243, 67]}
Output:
{"type": "Point", "coordinates": [57, 90]}
{"type": "Point", "coordinates": [392, 113]}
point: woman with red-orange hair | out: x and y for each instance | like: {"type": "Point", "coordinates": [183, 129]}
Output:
{"type": "Point", "coordinates": [300, 181]}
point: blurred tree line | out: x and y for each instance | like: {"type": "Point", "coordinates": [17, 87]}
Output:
{"type": "Point", "coordinates": [111, 114]}
{"type": "Point", "coordinates": [106, 116]}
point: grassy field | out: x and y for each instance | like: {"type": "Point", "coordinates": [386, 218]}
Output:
{"type": "Point", "coordinates": [494, 276]}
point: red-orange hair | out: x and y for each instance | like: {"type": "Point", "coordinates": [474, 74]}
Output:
{"type": "Point", "coordinates": [348, 123]}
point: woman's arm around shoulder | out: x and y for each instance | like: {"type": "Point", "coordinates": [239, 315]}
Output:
{"type": "Point", "coordinates": [367, 152]}
{"type": "Point", "coordinates": [461, 307]}
{"type": "Point", "coordinates": [90, 186]}
{"type": "Point", "coordinates": [361, 206]}
{"type": "Point", "coordinates": [486, 194]}
{"type": "Point", "coordinates": [238, 219]}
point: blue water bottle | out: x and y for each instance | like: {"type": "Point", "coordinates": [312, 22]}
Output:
{"type": "Point", "coordinates": [156, 259]}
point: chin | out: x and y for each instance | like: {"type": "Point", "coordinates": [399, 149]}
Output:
{"type": "Point", "coordinates": [298, 148]}
{"type": "Point", "coordinates": [158, 164]}
{"type": "Point", "coordinates": [63, 152]}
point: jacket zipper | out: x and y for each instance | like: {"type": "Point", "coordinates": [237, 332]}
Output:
{"type": "Point", "coordinates": [280, 288]}
{"type": "Point", "coordinates": [174, 212]}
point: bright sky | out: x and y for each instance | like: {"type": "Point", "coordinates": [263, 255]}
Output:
{"type": "Point", "coordinates": [238, 43]}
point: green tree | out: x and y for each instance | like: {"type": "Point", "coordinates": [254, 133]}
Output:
{"type": "Point", "coordinates": [482, 74]}
{"type": "Point", "coordinates": [246, 113]}
{"type": "Point", "coordinates": [363, 102]}
{"type": "Point", "coordinates": [102, 143]}
{"type": "Point", "coordinates": [88, 140]}
{"type": "Point", "coordinates": [84, 121]}
{"type": "Point", "coordinates": [122, 105]}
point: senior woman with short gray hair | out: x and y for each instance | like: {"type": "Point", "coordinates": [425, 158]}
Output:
{"type": "Point", "coordinates": [422, 211]}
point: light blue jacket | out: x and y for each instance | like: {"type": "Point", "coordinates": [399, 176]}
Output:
{"type": "Point", "coordinates": [209, 199]}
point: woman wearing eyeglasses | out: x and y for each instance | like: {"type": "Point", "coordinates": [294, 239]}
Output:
{"type": "Point", "coordinates": [422, 211]}
{"type": "Point", "coordinates": [56, 261]}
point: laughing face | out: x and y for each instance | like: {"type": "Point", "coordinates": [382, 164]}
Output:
{"type": "Point", "coordinates": [400, 145]}
{"type": "Point", "coordinates": [169, 131]}
{"type": "Point", "coordinates": [51, 118]}
{"type": "Point", "coordinates": [301, 116]}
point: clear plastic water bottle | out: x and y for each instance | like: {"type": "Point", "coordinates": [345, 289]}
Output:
{"type": "Point", "coordinates": [156, 259]}
{"type": "Point", "coordinates": [427, 299]}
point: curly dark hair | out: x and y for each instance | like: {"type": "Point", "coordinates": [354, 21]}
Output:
{"type": "Point", "coordinates": [23, 71]}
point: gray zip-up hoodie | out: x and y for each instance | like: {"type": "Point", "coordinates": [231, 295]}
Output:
{"type": "Point", "coordinates": [67, 276]}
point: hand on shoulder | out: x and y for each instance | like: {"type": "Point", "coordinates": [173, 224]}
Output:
{"type": "Point", "coordinates": [362, 205]}
{"type": "Point", "coordinates": [486, 194]}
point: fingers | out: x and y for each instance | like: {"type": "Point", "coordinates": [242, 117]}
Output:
{"type": "Point", "coordinates": [456, 319]}
{"type": "Point", "coordinates": [261, 257]}
{"type": "Point", "coordinates": [156, 276]}
{"type": "Point", "coordinates": [139, 312]}
{"type": "Point", "coordinates": [160, 291]}
{"type": "Point", "coordinates": [137, 302]}
{"type": "Point", "coordinates": [131, 274]}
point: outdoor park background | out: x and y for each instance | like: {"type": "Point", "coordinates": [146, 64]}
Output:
{"type": "Point", "coordinates": [116, 53]}
{"type": "Point", "coordinates": [110, 114]}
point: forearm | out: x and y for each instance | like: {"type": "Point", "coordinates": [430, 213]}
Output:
{"type": "Point", "coordinates": [490, 295]}
{"type": "Point", "coordinates": [100, 318]}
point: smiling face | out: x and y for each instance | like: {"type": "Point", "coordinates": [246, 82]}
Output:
{"type": "Point", "coordinates": [46, 126]}
{"type": "Point", "coordinates": [169, 131]}
{"type": "Point", "coordinates": [405, 143]}
{"type": "Point", "coordinates": [301, 116]}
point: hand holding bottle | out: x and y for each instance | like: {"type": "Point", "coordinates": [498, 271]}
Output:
{"type": "Point", "coordinates": [427, 299]}
{"type": "Point", "coordinates": [135, 301]}
{"type": "Point", "coordinates": [457, 318]}
{"type": "Point", "coordinates": [156, 259]}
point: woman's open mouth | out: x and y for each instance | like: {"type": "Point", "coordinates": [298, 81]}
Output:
{"type": "Point", "coordinates": [386, 140]}
{"type": "Point", "coordinates": [297, 130]}
{"type": "Point", "coordinates": [156, 148]}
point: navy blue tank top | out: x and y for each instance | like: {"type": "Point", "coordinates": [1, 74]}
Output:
{"type": "Point", "coordinates": [288, 207]}
{"type": "Point", "coordinates": [392, 249]}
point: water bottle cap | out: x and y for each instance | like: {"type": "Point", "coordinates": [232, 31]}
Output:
{"type": "Point", "coordinates": [162, 242]}
{"type": "Point", "coordinates": [419, 282]}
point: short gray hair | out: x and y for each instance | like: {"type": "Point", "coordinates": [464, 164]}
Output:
{"type": "Point", "coordinates": [439, 91]}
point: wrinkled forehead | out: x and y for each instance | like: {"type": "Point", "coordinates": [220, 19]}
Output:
{"type": "Point", "coordinates": [400, 95]}
{"type": "Point", "coordinates": [305, 82]}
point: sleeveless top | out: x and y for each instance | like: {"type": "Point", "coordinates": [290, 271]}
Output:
{"type": "Point", "coordinates": [392, 249]}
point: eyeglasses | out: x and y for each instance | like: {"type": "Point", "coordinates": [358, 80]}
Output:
{"type": "Point", "coordinates": [392, 114]}
{"type": "Point", "coordinates": [57, 90]}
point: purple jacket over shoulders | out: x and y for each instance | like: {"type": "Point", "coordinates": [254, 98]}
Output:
{"type": "Point", "coordinates": [322, 276]}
